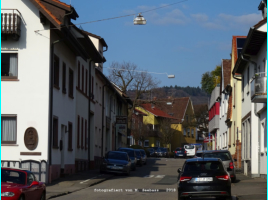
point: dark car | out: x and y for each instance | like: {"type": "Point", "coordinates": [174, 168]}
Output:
{"type": "Point", "coordinates": [204, 178]}
{"type": "Point", "coordinates": [226, 158]}
{"type": "Point", "coordinates": [151, 152]}
{"type": "Point", "coordinates": [139, 157]}
{"type": "Point", "coordinates": [180, 152]}
{"type": "Point", "coordinates": [132, 156]}
{"type": "Point", "coordinates": [199, 154]}
{"type": "Point", "coordinates": [157, 151]}
{"type": "Point", "coordinates": [17, 184]}
{"type": "Point", "coordinates": [164, 152]}
{"type": "Point", "coordinates": [116, 162]}
{"type": "Point", "coordinates": [143, 156]}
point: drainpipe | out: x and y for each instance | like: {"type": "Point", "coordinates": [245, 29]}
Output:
{"type": "Point", "coordinates": [50, 123]}
{"type": "Point", "coordinates": [102, 118]}
{"type": "Point", "coordinates": [88, 142]}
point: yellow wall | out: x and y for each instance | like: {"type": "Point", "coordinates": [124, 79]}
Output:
{"type": "Point", "coordinates": [236, 112]}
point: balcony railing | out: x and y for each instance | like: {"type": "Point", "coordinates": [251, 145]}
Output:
{"type": "Point", "coordinates": [259, 88]}
{"type": "Point", "coordinates": [11, 23]}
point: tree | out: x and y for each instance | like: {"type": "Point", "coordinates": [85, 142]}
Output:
{"type": "Point", "coordinates": [210, 80]}
{"type": "Point", "coordinates": [127, 77]}
{"type": "Point", "coordinates": [166, 131]}
{"type": "Point", "coordinates": [140, 132]}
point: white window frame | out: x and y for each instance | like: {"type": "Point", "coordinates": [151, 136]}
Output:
{"type": "Point", "coordinates": [145, 141]}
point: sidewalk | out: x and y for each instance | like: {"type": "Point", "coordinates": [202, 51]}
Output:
{"type": "Point", "coordinates": [75, 182]}
{"type": "Point", "coordinates": [247, 188]}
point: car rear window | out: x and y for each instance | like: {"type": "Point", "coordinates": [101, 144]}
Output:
{"type": "Point", "coordinates": [142, 152]}
{"type": "Point", "coordinates": [10, 176]}
{"type": "Point", "coordinates": [130, 152]}
{"type": "Point", "coordinates": [117, 156]}
{"type": "Point", "coordinates": [179, 149]}
{"type": "Point", "coordinates": [138, 152]}
{"type": "Point", "coordinates": [205, 166]}
{"type": "Point", "coordinates": [199, 154]}
{"type": "Point", "coordinates": [189, 147]}
{"type": "Point", "coordinates": [224, 156]}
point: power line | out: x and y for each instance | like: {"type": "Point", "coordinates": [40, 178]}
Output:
{"type": "Point", "coordinates": [114, 17]}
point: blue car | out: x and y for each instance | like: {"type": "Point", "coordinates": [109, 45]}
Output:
{"type": "Point", "coordinates": [180, 152]}
{"type": "Point", "coordinates": [132, 156]}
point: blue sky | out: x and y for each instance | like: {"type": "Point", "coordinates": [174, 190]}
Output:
{"type": "Point", "coordinates": [186, 39]}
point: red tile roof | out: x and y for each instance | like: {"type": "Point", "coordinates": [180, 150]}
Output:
{"type": "Point", "coordinates": [156, 111]}
{"type": "Point", "coordinates": [178, 107]}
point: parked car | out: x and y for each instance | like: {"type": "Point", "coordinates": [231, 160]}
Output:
{"type": "Point", "coordinates": [143, 156]}
{"type": "Point", "coordinates": [199, 154]}
{"type": "Point", "coordinates": [151, 152]}
{"type": "Point", "coordinates": [226, 158]}
{"type": "Point", "coordinates": [204, 178]}
{"type": "Point", "coordinates": [139, 157]}
{"type": "Point", "coordinates": [132, 156]}
{"type": "Point", "coordinates": [157, 151]}
{"type": "Point", "coordinates": [180, 152]}
{"type": "Point", "coordinates": [164, 152]}
{"type": "Point", "coordinates": [17, 184]}
{"type": "Point", "coordinates": [116, 162]}
{"type": "Point", "coordinates": [191, 150]}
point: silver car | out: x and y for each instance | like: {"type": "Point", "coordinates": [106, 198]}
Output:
{"type": "Point", "coordinates": [226, 158]}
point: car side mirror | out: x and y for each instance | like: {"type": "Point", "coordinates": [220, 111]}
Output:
{"type": "Point", "coordinates": [179, 170]}
{"type": "Point", "coordinates": [34, 183]}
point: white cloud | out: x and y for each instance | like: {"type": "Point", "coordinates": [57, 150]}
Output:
{"type": "Point", "coordinates": [200, 17]}
{"type": "Point", "coordinates": [248, 20]}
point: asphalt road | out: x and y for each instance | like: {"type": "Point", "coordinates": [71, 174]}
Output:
{"type": "Point", "coordinates": [156, 180]}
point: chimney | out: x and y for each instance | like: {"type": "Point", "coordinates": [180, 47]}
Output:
{"type": "Point", "coordinates": [263, 8]}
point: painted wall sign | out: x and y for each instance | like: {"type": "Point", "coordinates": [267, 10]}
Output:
{"type": "Point", "coordinates": [31, 138]}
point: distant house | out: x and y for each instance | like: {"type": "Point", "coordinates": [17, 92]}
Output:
{"type": "Point", "coordinates": [252, 65]}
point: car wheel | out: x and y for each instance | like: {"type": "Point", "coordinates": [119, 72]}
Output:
{"type": "Point", "coordinates": [228, 198]}
{"type": "Point", "coordinates": [134, 169]}
{"type": "Point", "coordinates": [21, 198]}
{"type": "Point", "coordinates": [233, 179]}
{"type": "Point", "coordinates": [128, 173]}
{"type": "Point", "coordinates": [43, 197]}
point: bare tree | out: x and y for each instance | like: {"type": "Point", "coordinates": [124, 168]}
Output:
{"type": "Point", "coordinates": [127, 77]}
{"type": "Point", "coordinates": [140, 132]}
{"type": "Point", "coordinates": [167, 131]}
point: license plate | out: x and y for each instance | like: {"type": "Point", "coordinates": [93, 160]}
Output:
{"type": "Point", "coordinates": [114, 167]}
{"type": "Point", "coordinates": [180, 154]}
{"type": "Point", "coordinates": [203, 179]}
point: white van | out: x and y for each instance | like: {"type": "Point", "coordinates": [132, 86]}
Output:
{"type": "Point", "coordinates": [191, 150]}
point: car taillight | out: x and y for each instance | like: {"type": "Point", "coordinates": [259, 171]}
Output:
{"type": "Point", "coordinates": [175, 151]}
{"type": "Point", "coordinates": [185, 152]}
{"type": "Point", "coordinates": [223, 177]}
{"type": "Point", "coordinates": [231, 165]}
{"type": "Point", "coordinates": [185, 178]}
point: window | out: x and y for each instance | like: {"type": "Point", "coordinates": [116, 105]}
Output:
{"type": "Point", "coordinates": [70, 136]}
{"type": "Point", "coordinates": [192, 132]}
{"type": "Point", "coordinates": [85, 134]}
{"type": "Point", "coordinates": [9, 65]}
{"type": "Point", "coordinates": [83, 75]}
{"type": "Point", "coordinates": [78, 131]}
{"type": "Point", "coordinates": [188, 132]}
{"type": "Point", "coordinates": [243, 85]}
{"type": "Point", "coordinates": [248, 79]}
{"type": "Point", "coordinates": [97, 97]}
{"type": "Point", "coordinates": [30, 178]}
{"type": "Point", "coordinates": [78, 75]}
{"type": "Point", "coordinates": [86, 81]}
{"type": "Point", "coordinates": [8, 129]}
{"type": "Point", "coordinates": [55, 132]}
{"type": "Point", "coordinates": [56, 71]}
{"type": "Point", "coordinates": [92, 87]}
{"type": "Point", "coordinates": [71, 83]}
{"type": "Point", "coordinates": [64, 78]}
{"type": "Point", "coordinates": [82, 133]}
{"type": "Point", "coordinates": [184, 131]}
{"type": "Point", "coordinates": [146, 143]}
{"type": "Point", "coordinates": [186, 118]}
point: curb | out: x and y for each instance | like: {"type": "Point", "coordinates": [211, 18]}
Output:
{"type": "Point", "coordinates": [69, 192]}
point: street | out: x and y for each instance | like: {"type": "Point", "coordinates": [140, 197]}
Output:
{"type": "Point", "coordinates": [156, 180]}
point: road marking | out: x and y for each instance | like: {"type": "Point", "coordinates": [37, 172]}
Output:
{"type": "Point", "coordinates": [87, 180]}
{"type": "Point", "coordinates": [159, 176]}
{"type": "Point", "coordinates": [155, 176]}
{"type": "Point", "coordinates": [148, 176]}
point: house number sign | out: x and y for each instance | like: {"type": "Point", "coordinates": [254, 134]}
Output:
{"type": "Point", "coordinates": [31, 138]}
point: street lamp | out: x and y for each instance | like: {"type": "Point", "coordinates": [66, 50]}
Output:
{"type": "Point", "coordinates": [139, 20]}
